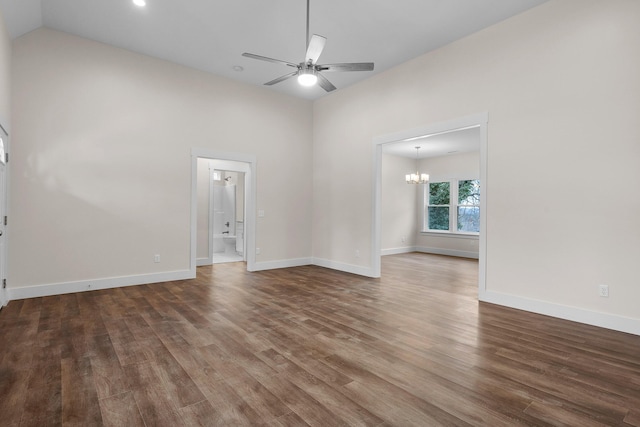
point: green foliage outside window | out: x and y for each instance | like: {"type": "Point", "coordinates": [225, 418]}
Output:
{"type": "Point", "coordinates": [439, 194]}
{"type": "Point", "coordinates": [466, 210]}
{"type": "Point", "coordinates": [469, 205]}
{"type": "Point", "coordinates": [469, 192]}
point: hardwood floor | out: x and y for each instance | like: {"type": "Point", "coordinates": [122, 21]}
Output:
{"type": "Point", "coordinates": [309, 346]}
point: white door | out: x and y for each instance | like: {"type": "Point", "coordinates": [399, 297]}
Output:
{"type": "Point", "coordinates": [3, 206]}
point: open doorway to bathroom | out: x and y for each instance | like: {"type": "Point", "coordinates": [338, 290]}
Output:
{"type": "Point", "coordinates": [221, 211]}
{"type": "Point", "coordinates": [226, 215]}
{"type": "Point", "coordinates": [200, 244]}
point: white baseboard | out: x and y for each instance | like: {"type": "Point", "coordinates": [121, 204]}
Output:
{"type": "Point", "coordinates": [203, 261]}
{"type": "Point", "coordinates": [450, 252]}
{"type": "Point", "coordinates": [284, 263]}
{"type": "Point", "coordinates": [347, 268]}
{"type": "Point", "coordinates": [92, 285]}
{"type": "Point", "coordinates": [594, 318]}
{"type": "Point", "coordinates": [396, 251]}
{"type": "Point", "coordinates": [603, 320]}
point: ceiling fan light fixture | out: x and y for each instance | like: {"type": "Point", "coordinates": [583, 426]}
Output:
{"type": "Point", "coordinates": [308, 72]}
{"type": "Point", "coordinates": [307, 77]}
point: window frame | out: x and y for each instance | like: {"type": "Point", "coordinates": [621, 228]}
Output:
{"type": "Point", "coordinates": [427, 205]}
{"type": "Point", "coordinates": [453, 209]}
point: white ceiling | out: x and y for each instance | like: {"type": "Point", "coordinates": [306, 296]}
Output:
{"type": "Point", "coordinates": [211, 35]}
{"type": "Point", "coordinates": [440, 144]}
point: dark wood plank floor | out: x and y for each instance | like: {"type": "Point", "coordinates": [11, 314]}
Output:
{"type": "Point", "coordinates": [309, 346]}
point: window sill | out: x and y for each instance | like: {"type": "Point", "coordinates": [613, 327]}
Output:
{"type": "Point", "coordinates": [448, 234]}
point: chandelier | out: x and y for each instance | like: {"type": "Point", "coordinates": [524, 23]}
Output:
{"type": "Point", "coordinates": [417, 178]}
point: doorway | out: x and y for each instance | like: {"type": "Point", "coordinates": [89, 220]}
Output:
{"type": "Point", "coordinates": [477, 120]}
{"type": "Point", "coordinates": [226, 214]}
{"type": "Point", "coordinates": [223, 198]}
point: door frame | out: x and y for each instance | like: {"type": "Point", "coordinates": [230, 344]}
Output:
{"type": "Point", "coordinates": [4, 192]}
{"type": "Point", "coordinates": [480, 120]}
{"type": "Point", "coordinates": [250, 201]}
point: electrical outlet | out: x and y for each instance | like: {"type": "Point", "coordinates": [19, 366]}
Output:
{"type": "Point", "coordinates": [403, 239]}
{"type": "Point", "coordinates": [257, 251]}
{"type": "Point", "coordinates": [603, 290]}
{"type": "Point", "coordinates": [357, 253]}
{"type": "Point", "coordinates": [156, 258]}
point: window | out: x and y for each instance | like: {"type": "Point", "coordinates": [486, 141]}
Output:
{"type": "Point", "coordinates": [438, 209]}
{"type": "Point", "coordinates": [468, 214]}
{"type": "Point", "coordinates": [453, 206]}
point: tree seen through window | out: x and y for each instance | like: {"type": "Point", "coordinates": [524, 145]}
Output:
{"type": "Point", "coordinates": [463, 215]}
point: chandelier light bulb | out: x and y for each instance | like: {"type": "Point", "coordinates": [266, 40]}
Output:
{"type": "Point", "coordinates": [417, 178]}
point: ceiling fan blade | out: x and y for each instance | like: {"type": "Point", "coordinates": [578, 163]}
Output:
{"type": "Point", "coordinates": [264, 58]}
{"type": "Point", "coordinates": [316, 44]}
{"type": "Point", "coordinates": [324, 83]}
{"type": "Point", "coordinates": [281, 78]}
{"type": "Point", "coordinates": [349, 66]}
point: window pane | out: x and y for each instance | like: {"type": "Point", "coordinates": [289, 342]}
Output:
{"type": "Point", "coordinates": [469, 219]}
{"type": "Point", "coordinates": [438, 193]}
{"type": "Point", "coordinates": [438, 218]}
{"type": "Point", "coordinates": [469, 192]}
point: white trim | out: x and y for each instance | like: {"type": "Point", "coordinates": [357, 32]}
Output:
{"type": "Point", "coordinates": [92, 285]}
{"type": "Point", "coordinates": [284, 263]}
{"type": "Point", "coordinates": [209, 259]}
{"type": "Point", "coordinates": [376, 222]}
{"type": "Point", "coordinates": [475, 120]}
{"type": "Point", "coordinates": [250, 200]}
{"type": "Point", "coordinates": [428, 250]}
{"type": "Point", "coordinates": [449, 252]}
{"type": "Point", "coordinates": [574, 314]}
{"type": "Point", "coordinates": [4, 293]}
{"type": "Point", "coordinates": [203, 261]}
{"type": "Point", "coordinates": [451, 235]}
{"type": "Point", "coordinates": [396, 251]}
{"type": "Point", "coordinates": [347, 268]}
{"type": "Point", "coordinates": [603, 320]}
{"type": "Point", "coordinates": [484, 185]}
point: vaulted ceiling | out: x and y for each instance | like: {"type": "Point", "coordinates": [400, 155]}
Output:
{"type": "Point", "coordinates": [211, 35]}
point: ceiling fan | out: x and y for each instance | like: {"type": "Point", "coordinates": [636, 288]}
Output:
{"type": "Point", "coordinates": [308, 71]}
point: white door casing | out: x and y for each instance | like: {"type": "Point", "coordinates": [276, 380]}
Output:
{"type": "Point", "coordinates": [4, 140]}
{"type": "Point", "coordinates": [249, 168]}
{"type": "Point", "coordinates": [479, 120]}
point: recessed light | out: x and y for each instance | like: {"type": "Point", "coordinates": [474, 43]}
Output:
{"type": "Point", "coordinates": [238, 68]}
{"type": "Point", "coordinates": [140, 3]}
